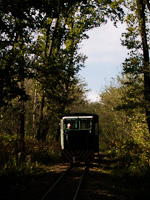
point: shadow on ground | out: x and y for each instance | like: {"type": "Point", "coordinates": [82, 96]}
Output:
{"type": "Point", "coordinates": [29, 187]}
{"type": "Point", "coordinates": [104, 183]}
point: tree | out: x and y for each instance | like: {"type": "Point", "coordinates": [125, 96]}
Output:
{"type": "Point", "coordinates": [138, 62]}
{"type": "Point", "coordinates": [20, 21]}
{"type": "Point", "coordinates": [57, 72]}
{"type": "Point", "coordinates": [112, 120]}
{"type": "Point", "coordinates": [141, 12]}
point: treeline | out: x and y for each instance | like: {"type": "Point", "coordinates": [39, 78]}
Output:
{"type": "Point", "coordinates": [125, 105]}
{"type": "Point", "coordinates": [39, 65]}
{"type": "Point", "coordinates": [125, 134]}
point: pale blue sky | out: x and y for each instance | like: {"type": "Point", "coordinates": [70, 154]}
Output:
{"type": "Point", "coordinates": [105, 56]}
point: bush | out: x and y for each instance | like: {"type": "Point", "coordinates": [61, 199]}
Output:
{"type": "Point", "coordinates": [35, 152]}
{"type": "Point", "coordinates": [130, 157]}
{"type": "Point", "coordinates": [42, 152]}
{"type": "Point", "coordinates": [45, 155]}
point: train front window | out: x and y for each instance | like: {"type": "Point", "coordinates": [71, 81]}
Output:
{"type": "Point", "coordinates": [71, 124]}
{"type": "Point", "coordinates": [78, 124]}
{"type": "Point", "coordinates": [85, 124]}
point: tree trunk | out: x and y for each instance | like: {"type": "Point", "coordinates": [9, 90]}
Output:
{"type": "Point", "coordinates": [39, 131]}
{"type": "Point", "coordinates": [22, 128]}
{"type": "Point", "coordinates": [22, 133]}
{"type": "Point", "coordinates": [52, 39]}
{"type": "Point", "coordinates": [34, 107]}
{"type": "Point", "coordinates": [146, 67]}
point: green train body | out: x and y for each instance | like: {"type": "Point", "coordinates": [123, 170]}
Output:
{"type": "Point", "coordinates": [79, 137]}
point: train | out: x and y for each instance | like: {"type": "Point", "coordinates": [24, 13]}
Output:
{"type": "Point", "coordinates": [79, 137]}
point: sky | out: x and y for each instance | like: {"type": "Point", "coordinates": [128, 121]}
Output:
{"type": "Point", "coordinates": [105, 57]}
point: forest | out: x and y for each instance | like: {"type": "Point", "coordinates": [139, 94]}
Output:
{"type": "Point", "coordinates": [39, 66]}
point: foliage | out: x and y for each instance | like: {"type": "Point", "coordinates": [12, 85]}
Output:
{"type": "Point", "coordinates": [36, 153]}
{"type": "Point", "coordinates": [136, 40]}
{"type": "Point", "coordinates": [21, 23]}
{"type": "Point", "coordinates": [125, 108]}
{"type": "Point", "coordinates": [40, 42]}
{"type": "Point", "coordinates": [39, 65]}
{"type": "Point", "coordinates": [124, 129]}
{"type": "Point", "coordinates": [113, 122]}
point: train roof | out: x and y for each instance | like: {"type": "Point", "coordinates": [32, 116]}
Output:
{"type": "Point", "coordinates": [95, 116]}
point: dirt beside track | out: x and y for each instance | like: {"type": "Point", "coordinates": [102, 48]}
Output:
{"type": "Point", "coordinates": [31, 187]}
{"type": "Point", "coordinates": [99, 184]}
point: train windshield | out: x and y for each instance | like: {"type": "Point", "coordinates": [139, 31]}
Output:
{"type": "Point", "coordinates": [81, 124]}
{"type": "Point", "coordinates": [85, 124]}
{"type": "Point", "coordinates": [71, 124]}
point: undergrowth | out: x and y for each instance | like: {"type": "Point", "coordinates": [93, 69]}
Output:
{"type": "Point", "coordinates": [37, 154]}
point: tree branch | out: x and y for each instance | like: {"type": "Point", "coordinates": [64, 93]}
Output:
{"type": "Point", "coordinates": [148, 4]}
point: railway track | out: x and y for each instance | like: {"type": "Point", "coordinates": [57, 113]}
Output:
{"type": "Point", "coordinates": [68, 185]}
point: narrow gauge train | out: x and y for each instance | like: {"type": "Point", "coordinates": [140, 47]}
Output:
{"type": "Point", "coordinates": [79, 137]}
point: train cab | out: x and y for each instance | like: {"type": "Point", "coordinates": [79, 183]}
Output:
{"type": "Point", "coordinates": [79, 136]}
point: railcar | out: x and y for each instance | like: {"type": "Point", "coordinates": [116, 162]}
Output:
{"type": "Point", "coordinates": [79, 137]}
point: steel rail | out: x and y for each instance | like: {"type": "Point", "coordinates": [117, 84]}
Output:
{"type": "Point", "coordinates": [54, 185]}
{"type": "Point", "coordinates": [80, 182]}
